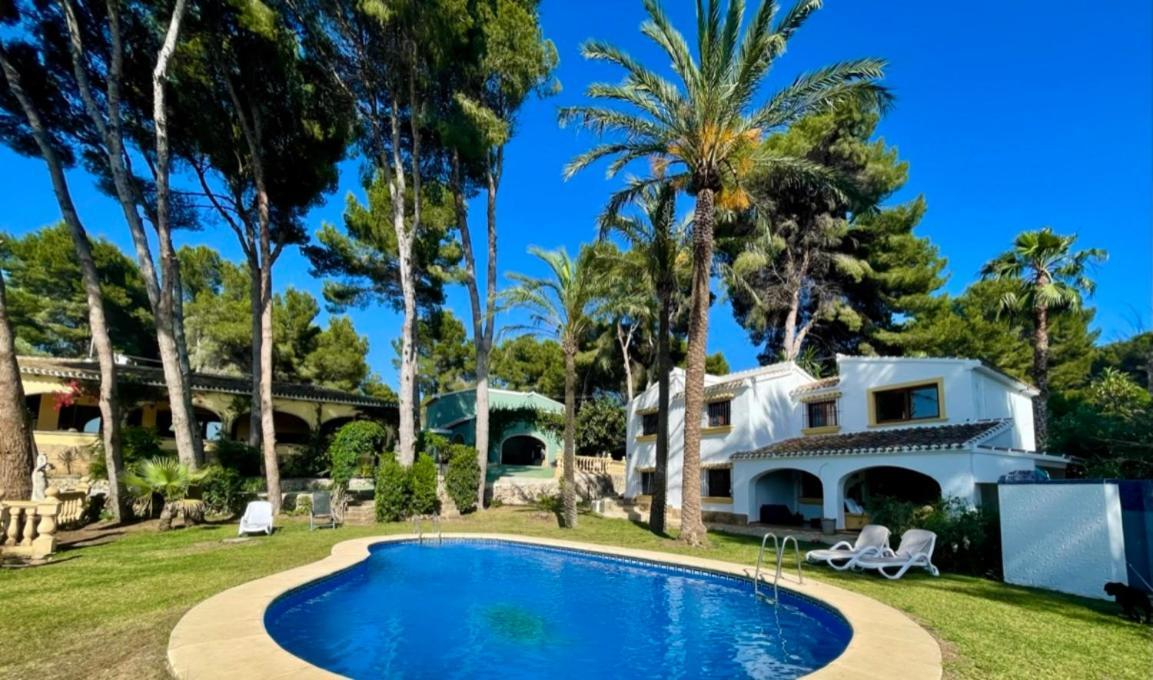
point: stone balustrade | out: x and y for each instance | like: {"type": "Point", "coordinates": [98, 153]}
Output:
{"type": "Point", "coordinates": [601, 465]}
{"type": "Point", "coordinates": [72, 506]}
{"type": "Point", "coordinates": [28, 528]}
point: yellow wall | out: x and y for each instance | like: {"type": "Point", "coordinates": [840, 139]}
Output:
{"type": "Point", "coordinates": [59, 446]}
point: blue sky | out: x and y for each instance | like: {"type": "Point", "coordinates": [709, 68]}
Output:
{"type": "Point", "coordinates": [1012, 116]}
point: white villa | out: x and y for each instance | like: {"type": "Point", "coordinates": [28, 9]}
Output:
{"type": "Point", "coordinates": [780, 447]}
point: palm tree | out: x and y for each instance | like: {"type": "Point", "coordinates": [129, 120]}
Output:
{"type": "Point", "coordinates": [703, 136]}
{"type": "Point", "coordinates": [169, 479]}
{"type": "Point", "coordinates": [562, 306]}
{"type": "Point", "coordinates": [659, 241]}
{"type": "Point", "coordinates": [1050, 276]}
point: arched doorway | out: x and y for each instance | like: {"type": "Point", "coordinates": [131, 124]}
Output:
{"type": "Point", "coordinates": [290, 429]}
{"type": "Point", "coordinates": [865, 488]}
{"type": "Point", "coordinates": [522, 450]}
{"type": "Point", "coordinates": [788, 496]}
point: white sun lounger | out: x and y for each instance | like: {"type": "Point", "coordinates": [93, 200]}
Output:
{"type": "Point", "coordinates": [872, 541]}
{"type": "Point", "coordinates": [915, 550]}
{"type": "Point", "coordinates": [257, 517]}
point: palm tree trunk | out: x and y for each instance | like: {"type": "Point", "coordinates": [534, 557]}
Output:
{"type": "Point", "coordinates": [16, 450]}
{"type": "Point", "coordinates": [1041, 375]}
{"type": "Point", "coordinates": [664, 361]}
{"type": "Point", "coordinates": [692, 527]}
{"type": "Point", "coordinates": [568, 490]}
{"type": "Point", "coordinates": [109, 406]}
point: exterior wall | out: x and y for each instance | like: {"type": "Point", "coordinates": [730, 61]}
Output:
{"type": "Point", "coordinates": [1064, 537]}
{"type": "Point", "coordinates": [456, 412]}
{"type": "Point", "coordinates": [762, 412]}
{"type": "Point", "coordinates": [957, 473]}
{"type": "Point", "coordinates": [69, 451]}
{"type": "Point", "coordinates": [765, 410]}
{"type": "Point", "coordinates": [859, 375]}
{"type": "Point", "coordinates": [994, 397]}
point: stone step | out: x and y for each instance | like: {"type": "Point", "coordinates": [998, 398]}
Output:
{"type": "Point", "coordinates": [360, 514]}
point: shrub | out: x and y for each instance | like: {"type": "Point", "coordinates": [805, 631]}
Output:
{"type": "Point", "coordinates": [462, 478]}
{"type": "Point", "coordinates": [424, 498]}
{"type": "Point", "coordinates": [223, 491]}
{"type": "Point", "coordinates": [355, 446]}
{"type": "Point", "coordinates": [968, 539]}
{"type": "Point", "coordinates": [600, 427]}
{"type": "Point", "coordinates": [393, 491]}
{"type": "Point", "coordinates": [238, 456]}
{"type": "Point", "coordinates": [137, 444]}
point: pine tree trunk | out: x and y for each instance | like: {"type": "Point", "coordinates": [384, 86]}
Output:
{"type": "Point", "coordinates": [625, 341]}
{"type": "Point", "coordinates": [692, 527]}
{"type": "Point", "coordinates": [664, 365]}
{"type": "Point", "coordinates": [267, 424]}
{"type": "Point", "coordinates": [568, 489]}
{"type": "Point", "coordinates": [1041, 376]}
{"type": "Point", "coordinates": [109, 406]}
{"type": "Point", "coordinates": [482, 425]}
{"type": "Point", "coordinates": [482, 321]}
{"type": "Point", "coordinates": [173, 353]}
{"type": "Point", "coordinates": [255, 421]}
{"type": "Point", "coordinates": [17, 454]}
{"type": "Point", "coordinates": [109, 125]}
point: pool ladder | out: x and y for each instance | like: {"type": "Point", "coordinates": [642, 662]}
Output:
{"type": "Point", "coordinates": [779, 547]}
{"type": "Point", "coordinates": [418, 528]}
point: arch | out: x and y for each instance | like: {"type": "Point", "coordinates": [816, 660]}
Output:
{"type": "Point", "coordinates": [865, 485]}
{"type": "Point", "coordinates": [329, 427]}
{"type": "Point", "coordinates": [289, 429]}
{"type": "Point", "coordinates": [522, 449]}
{"type": "Point", "coordinates": [787, 496]}
{"type": "Point", "coordinates": [210, 423]}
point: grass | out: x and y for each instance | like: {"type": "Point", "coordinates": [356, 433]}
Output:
{"type": "Point", "coordinates": [105, 611]}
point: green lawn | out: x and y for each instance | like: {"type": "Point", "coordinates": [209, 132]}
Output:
{"type": "Point", "coordinates": [105, 611]}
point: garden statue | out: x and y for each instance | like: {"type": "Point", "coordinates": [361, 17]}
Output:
{"type": "Point", "coordinates": [40, 477]}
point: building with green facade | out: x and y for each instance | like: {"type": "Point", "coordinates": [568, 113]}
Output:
{"type": "Point", "coordinates": [524, 446]}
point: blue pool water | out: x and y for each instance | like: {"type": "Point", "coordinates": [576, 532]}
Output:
{"type": "Point", "coordinates": [469, 609]}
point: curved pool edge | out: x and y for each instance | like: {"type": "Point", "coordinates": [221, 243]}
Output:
{"type": "Point", "coordinates": [224, 636]}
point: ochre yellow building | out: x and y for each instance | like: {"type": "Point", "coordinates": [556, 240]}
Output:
{"type": "Point", "coordinates": [61, 398]}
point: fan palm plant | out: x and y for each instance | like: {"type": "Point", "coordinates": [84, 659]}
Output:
{"type": "Point", "coordinates": [702, 135]}
{"type": "Point", "coordinates": [659, 241]}
{"type": "Point", "coordinates": [562, 305]}
{"type": "Point", "coordinates": [1049, 276]}
{"type": "Point", "coordinates": [170, 479]}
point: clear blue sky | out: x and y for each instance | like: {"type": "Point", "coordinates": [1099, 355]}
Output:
{"type": "Point", "coordinates": [1012, 115]}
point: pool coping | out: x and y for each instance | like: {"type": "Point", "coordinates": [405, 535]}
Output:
{"type": "Point", "coordinates": [224, 636]}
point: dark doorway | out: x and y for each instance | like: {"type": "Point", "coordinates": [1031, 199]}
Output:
{"type": "Point", "coordinates": [522, 450]}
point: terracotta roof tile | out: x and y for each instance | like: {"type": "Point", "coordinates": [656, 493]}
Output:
{"type": "Point", "coordinates": [892, 440]}
{"type": "Point", "coordinates": [82, 369]}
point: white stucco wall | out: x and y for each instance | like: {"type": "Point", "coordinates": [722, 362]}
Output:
{"type": "Point", "coordinates": [1064, 537]}
{"type": "Point", "coordinates": [762, 412]}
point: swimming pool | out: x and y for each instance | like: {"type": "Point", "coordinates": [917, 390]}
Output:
{"type": "Point", "coordinates": [471, 608]}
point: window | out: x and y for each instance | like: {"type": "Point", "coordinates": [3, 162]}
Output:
{"type": "Point", "coordinates": [822, 413]}
{"type": "Point", "coordinates": [720, 413]}
{"type": "Point", "coordinates": [648, 483]}
{"type": "Point", "coordinates": [919, 402]}
{"type": "Point", "coordinates": [720, 482]}
{"type": "Point", "coordinates": [79, 418]}
{"type": "Point", "coordinates": [648, 423]}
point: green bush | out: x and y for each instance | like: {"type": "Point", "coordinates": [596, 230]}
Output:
{"type": "Point", "coordinates": [968, 539]}
{"type": "Point", "coordinates": [238, 456]}
{"type": "Point", "coordinates": [355, 447]}
{"type": "Point", "coordinates": [224, 491]}
{"type": "Point", "coordinates": [136, 444]}
{"type": "Point", "coordinates": [423, 473]}
{"type": "Point", "coordinates": [462, 478]}
{"type": "Point", "coordinates": [393, 491]}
